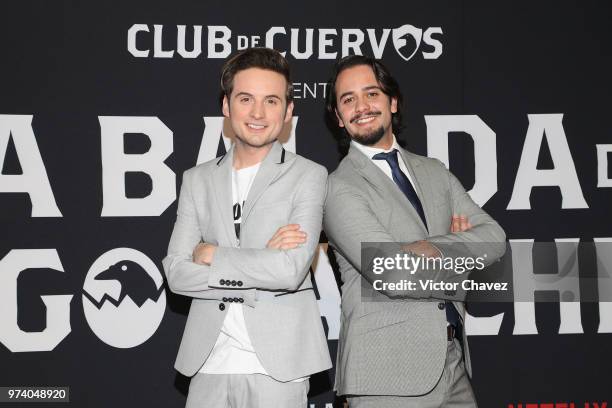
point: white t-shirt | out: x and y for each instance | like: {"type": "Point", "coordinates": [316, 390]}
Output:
{"type": "Point", "coordinates": [233, 352]}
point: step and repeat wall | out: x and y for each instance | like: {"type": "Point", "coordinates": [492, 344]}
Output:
{"type": "Point", "coordinates": [103, 105]}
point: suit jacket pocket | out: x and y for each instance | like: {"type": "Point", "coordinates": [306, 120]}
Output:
{"type": "Point", "coordinates": [380, 314]}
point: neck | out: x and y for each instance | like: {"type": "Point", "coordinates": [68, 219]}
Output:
{"type": "Point", "coordinates": [247, 156]}
{"type": "Point", "coordinates": [385, 142]}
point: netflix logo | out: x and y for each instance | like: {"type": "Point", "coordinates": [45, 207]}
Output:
{"type": "Point", "coordinates": [560, 405]}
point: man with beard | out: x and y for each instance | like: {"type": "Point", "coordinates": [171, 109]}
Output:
{"type": "Point", "coordinates": [410, 352]}
{"type": "Point", "coordinates": [246, 231]}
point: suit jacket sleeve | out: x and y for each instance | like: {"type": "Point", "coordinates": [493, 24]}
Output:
{"type": "Point", "coordinates": [485, 239]}
{"type": "Point", "coordinates": [185, 277]}
{"type": "Point", "coordinates": [349, 221]}
{"type": "Point", "coordinates": [347, 233]}
{"type": "Point", "coordinates": [275, 269]}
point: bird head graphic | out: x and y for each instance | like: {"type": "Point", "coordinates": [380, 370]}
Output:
{"type": "Point", "coordinates": [135, 282]}
{"type": "Point", "coordinates": [400, 39]}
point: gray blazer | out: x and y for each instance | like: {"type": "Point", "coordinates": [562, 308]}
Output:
{"type": "Point", "coordinates": [281, 311]}
{"type": "Point", "coordinates": [398, 347]}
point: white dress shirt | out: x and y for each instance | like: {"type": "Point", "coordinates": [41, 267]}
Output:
{"type": "Point", "coordinates": [382, 164]}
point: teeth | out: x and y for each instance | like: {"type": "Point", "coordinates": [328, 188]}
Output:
{"type": "Point", "coordinates": [365, 120]}
{"type": "Point", "coordinates": [257, 127]}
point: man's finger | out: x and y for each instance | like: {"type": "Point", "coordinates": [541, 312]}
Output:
{"type": "Point", "coordinates": [297, 240]}
{"type": "Point", "coordinates": [288, 227]}
{"type": "Point", "coordinates": [285, 229]}
{"type": "Point", "coordinates": [463, 223]}
{"type": "Point", "coordinates": [292, 234]}
{"type": "Point", "coordinates": [195, 253]}
{"type": "Point", "coordinates": [288, 246]}
{"type": "Point", "coordinates": [288, 234]}
{"type": "Point", "coordinates": [455, 226]}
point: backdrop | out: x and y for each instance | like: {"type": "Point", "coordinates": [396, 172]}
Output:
{"type": "Point", "coordinates": [103, 105]}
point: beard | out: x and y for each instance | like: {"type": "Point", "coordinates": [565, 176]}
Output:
{"type": "Point", "coordinates": [370, 138]}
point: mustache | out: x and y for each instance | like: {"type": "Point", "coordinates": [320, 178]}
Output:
{"type": "Point", "coordinates": [365, 114]}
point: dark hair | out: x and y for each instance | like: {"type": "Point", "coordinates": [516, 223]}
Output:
{"type": "Point", "coordinates": [264, 58]}
{"type": "Point", "coordinates": [387, 84]}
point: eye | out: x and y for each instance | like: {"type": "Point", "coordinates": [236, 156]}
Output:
{"type": "Point", "coordinates": [272, 101]}
{"type": "Point", "coordinates": [348, 100]}
{"type": "Point", "coordinates": [245, 99]}
{"type": "Point", "coordinates": [372, 94]}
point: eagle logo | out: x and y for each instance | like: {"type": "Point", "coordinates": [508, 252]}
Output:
{"type": "Point", "coordinates": [135, 283]}
{"type": "Point", "coordinates": [124, 297]}
{"type": "Point", "coordinates": [399, 40]}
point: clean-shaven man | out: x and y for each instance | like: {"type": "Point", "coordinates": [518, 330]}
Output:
{"type": "Point", "coordinates": [247, 228]}
{"type": "Point", "coordinates": [404, 353]}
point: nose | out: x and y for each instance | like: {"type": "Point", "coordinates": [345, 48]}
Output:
{"type": "Point", "coordinates": [362, 105]}
{"type": "Point", "coordinates": [257, 110]}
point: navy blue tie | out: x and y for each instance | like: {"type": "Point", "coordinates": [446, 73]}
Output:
{"type": "Point", "coordinates": [402, 181]}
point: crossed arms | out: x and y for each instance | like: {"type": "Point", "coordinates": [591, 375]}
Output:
{"type": "Point", "coordinates": [282, 265]}
{"type": "Point", "coordinates": [350, 220]}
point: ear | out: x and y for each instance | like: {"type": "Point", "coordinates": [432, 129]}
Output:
{"type": "Point", "coordinates": [289, 112]}
{"type": "Point", "coordinates": [340, 122]}
{"type": "Point", "coordinates": [225, 108]}
{"type": "Point", "coordinates": [393, 105]}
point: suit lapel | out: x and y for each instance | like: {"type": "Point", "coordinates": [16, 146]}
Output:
{"type": "Point", "coordinates": [222, 183]}
{"type": "Point", "coordinates": [419, 177]}
{"type": "Point", "coordinates": [375, 177]}
{"type": "Point", "coordinates": [386, 186]}
{"type": "Point", "coordinates": [269, 170]}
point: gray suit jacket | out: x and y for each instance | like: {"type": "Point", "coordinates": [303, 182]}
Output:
{"type": "Point", "coordinates": [281, 311]}
{"type": "Point", "coordinates": [396, 347]}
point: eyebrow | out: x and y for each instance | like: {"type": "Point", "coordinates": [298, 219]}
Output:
{"type": "Point", "coordinates": [248, 94]}
{"type": "Point", "coordinates": [367, 88]}
{"type": "Point", "coordinates": [242, 94]}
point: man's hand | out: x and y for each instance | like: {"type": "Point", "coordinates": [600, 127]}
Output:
{"type": "Point", "coordinates": [423, 248]}
{"type": "Point", "coordinates": [203, 253]}
{"type": "Point", "coordinates": [287, 237]}
{"type": "Point", "coordinates": [460, 223]}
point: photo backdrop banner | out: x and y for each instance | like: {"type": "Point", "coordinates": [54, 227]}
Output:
{"type": "Point", "coordinates": [103, 105]}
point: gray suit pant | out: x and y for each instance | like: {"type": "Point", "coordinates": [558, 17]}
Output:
{"type": "Point", "coordinates": [452, 391]}
{"type": "Point", "coordinates": [245, 391]}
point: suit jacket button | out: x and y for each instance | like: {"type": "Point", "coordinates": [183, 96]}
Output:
{"type": "Point", "coordinates": [225, 299]}
{"type": "Point", "coordinates": [221, 307]}
{"type": "Point", "coordinates": [241, 300]}
{"type": "Point", "coordinates": [239, 283]}
{"type": "Point", "coordinates": [236, 300]}
{"type": "Point", "coordinates": [234, 283]}
{"type": "Point", "coordinates": [441, 305]}
{"type": "Point", "coordinates": [230, 300]}
{"type": "Point", "coordinates": [222, 282]}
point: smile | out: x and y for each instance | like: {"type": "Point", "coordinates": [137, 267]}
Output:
{"type": "Point", "coordinates": [367, 119]}
{"type": "Point", "coordinates": [256, 127]}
